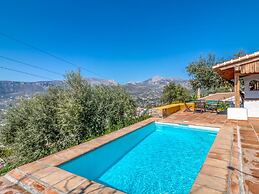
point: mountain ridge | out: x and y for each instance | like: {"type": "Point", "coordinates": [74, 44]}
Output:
{"type": "Point", "coordinates": [146, 92]}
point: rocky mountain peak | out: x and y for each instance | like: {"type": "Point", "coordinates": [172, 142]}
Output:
{"type": "Point", "coordinates": [156, 78]}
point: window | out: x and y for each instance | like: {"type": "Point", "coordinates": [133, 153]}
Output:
{"type": "Point", "coordinates": [254, 85]}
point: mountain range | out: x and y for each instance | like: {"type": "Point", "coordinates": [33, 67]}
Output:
{"type": "Point", "coordinates": [147, 92]}
{"type": "Point", "coordinates": [14, 88]}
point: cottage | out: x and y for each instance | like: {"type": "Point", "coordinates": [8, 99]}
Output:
{"type": "Point", "coordinates": [246, 68]}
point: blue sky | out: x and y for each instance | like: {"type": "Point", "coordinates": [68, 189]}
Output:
{"type": "Point", "coordinates": [129, 40]}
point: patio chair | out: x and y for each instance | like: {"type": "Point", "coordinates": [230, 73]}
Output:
{"type": "Point", "coordinates": [200, 106]}
{"type": "Point", "coordinates": [212, 106]}
{"type": "Point", "coordinates": [187, 108]}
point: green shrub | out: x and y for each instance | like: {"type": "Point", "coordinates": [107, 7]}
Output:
{"type": "Point", "coordinates": [175, 93]}
{"type": "Point", "coordinates": [223, 106]}
{"type": "Point", "coordinates": [5, 152]}
{"type": "Point", "coordinates": [63, 117]}
{"type": "Point", "coordinates": [31, 127]}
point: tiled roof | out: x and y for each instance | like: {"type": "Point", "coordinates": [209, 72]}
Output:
{"type": "Point", "coordinates": [218, 96]}
{"type": "Point", "coordinates": [238, 60]}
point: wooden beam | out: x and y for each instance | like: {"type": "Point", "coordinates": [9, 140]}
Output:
{"type": "Point", "coordinates": [227, 74]}
{"type": "Point", "coordinates": [250, 68]}
{"type": "Point", "coordinates": [237, 89]}
{"type": "Point", "coordinates": [198, 93]}
{"type": "Point", "coordinates": [237, 62]}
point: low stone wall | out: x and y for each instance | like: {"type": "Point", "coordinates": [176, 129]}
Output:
{"type": "Point", "coordinates": [164, 111]}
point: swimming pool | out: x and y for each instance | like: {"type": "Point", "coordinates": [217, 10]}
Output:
{"type": "Point", "coordinates": [157, 158]}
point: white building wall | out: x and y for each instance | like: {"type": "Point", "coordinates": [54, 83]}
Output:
{"type": "Point", "coordinates": [253, 107]}
{"type": "Point", "coordinates": [248, 93]}
{"type": "Point", "coordinates": [237, 113]}
{"type": "Point", "coordinates": [251, 97]}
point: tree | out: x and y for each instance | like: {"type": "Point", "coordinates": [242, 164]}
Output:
{"type": "Point", "coordinates": [240, 53]}
{"type": "Point", "coordinates": [30, 129]}
{"type": "Point", "coordinates": [63, 117]}
{"type": "Point", "coordinates": [175, 93]}
{"type": "Point", "coordinates": [203, 76]}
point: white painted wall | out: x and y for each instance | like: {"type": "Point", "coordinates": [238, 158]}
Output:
{"type": "Point", "coordinates": [251, 105]}
{"type": "Point", "coordinates": [237, 113]}
{"type": "Point", "coordinates": [248, 93]}
{"type": "Point", "coordinates": [253, 108]}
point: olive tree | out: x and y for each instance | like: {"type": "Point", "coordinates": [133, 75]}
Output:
{"type": "Point", "coordinates": [63, 117]}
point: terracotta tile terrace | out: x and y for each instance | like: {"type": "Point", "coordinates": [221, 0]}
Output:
{"type": "Point", "coordinates": [232, 165]}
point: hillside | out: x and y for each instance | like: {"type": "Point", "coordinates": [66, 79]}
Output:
{"type": "Point", "coordinates": [14, 88]}
{"type": "Point", "coordinates": [11, 90]}
{"type": "Point", "coordinates": [147, 92]}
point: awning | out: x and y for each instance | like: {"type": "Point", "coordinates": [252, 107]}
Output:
{"type": "Point", "coordinates": [246, 65]}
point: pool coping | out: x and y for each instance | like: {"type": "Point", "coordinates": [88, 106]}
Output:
{"type": "Point", "coordinates": [193, 127]}
{"type": "Point", "coordinates": [43, 175]}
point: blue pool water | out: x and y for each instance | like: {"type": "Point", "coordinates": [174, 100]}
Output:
{"type": "Point", "coordinates": [157, 158]}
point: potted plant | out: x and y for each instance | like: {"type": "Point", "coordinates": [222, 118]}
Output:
{"type": "Point", "coordinates": [222, 107]}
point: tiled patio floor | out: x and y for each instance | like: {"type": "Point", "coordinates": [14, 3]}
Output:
{"type": "Point", "coordinates": [43, 176]}
{"type": "Point", "coordinates": [249, 131]}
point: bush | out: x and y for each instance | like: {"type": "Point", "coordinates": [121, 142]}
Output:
{"type": "Point", "coordinates": [31, 127]}
{"type": "Point", "coordinates": [223, 106]}
{"type": "Point", "coordinates": [63, 117]}
{"type": "Point", "coordinates": [4, 152]}
{"type": "Point", "coordinates": [175, 93]}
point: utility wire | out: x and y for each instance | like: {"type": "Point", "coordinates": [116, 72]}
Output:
{"type": "Point", "coordinates": [30, 65]}
{"type": "Point", "coordinates": [26, 73]}
{"type": "Point", "coordinates": [46, 52]}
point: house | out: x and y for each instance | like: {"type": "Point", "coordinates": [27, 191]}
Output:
{"type": "Point", "coordinates": [246, 68]}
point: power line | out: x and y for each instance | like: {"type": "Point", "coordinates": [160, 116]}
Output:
{"type": "Point", "coordinates": [30, 65]}
{"type": "Point", "coordinates": [26, 73]}
{"type": "Point", "coordinates": [47, 53]}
